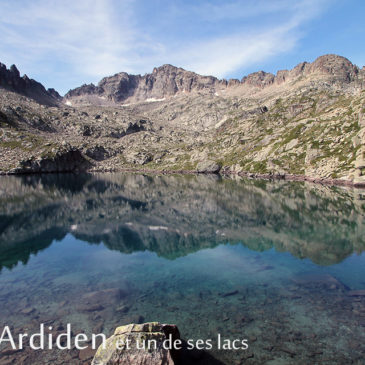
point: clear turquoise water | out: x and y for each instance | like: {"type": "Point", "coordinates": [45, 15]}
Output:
{"type": "Point", "coordinates": [273, 262]}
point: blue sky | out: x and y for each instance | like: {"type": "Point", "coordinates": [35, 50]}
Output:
{"type": "Point", "coordinates": [65, 43]}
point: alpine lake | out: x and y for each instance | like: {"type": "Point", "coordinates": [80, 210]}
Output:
{"type": "Point", "coordinates": [280, 264]}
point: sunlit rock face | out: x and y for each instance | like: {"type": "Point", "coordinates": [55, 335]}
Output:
{"type": "Point", "coordinates": [164, 81]}
{"type": "Point", "coordinates": [151, 335]}
{"type": "Point", "coordinates": [167, 81]}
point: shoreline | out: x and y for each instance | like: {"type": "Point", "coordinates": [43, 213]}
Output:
{"type": "Point", "coordinates": [250, 175]}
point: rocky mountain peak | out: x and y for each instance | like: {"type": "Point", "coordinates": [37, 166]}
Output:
{"type": "Point", "coordinates": [11, 80]}
{"type": "Point", "coordinates": [260, 79]}
{"type": "Point", "coordinates": [168, 80]}
{"type": "Point", "coordinates": [337, 68]}
{"type": "Point", "coordinates": [167, 68]}
{"type": "Point", "coordinates": [13, 69]}
{"type": "Point", "coordinates": [300, 69]}
{"type": "Point", "coordinates": [334, 65]}
{"type": "Point", "coordinates": [83, 89]}
{"type": "Point", "coordinates": [164, 81]}
{"type": "Point", "coordinates": [311, 117]}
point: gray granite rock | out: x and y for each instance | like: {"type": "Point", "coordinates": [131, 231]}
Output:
{"type": "Point", "coordinates": [125, 346]}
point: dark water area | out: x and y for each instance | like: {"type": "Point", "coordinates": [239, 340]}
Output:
{"type": "Point", "coordinates": [280, 264]}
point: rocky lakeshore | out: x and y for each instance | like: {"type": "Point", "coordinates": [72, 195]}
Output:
{"type": "Point", "coordinates": [249, 175]}
{"type": "Point", "coordinates": [302, 124]}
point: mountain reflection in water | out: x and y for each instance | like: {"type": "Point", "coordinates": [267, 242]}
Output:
{"type": "Point", "coordinates": [176, 215]}
{"type": "Point", "coordinates": [105, 250]}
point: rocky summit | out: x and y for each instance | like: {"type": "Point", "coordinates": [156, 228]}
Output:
{"type": "Point", "coordinates": [11, 80]}
{"type": "Point", "coordinates": [304, 123]}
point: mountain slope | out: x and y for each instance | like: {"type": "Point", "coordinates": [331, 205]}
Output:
{"type": "Point", "coordinates": [11, 80]}
{"type": "Point", "coordinates": [308, 121]}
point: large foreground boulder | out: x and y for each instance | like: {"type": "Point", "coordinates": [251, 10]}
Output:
{"type": "Point", "coordinates": [121, 348]}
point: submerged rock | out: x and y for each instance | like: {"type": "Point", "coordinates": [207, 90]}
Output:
{"type": "Point", "coordinates": [98, 300]}
{"type": "Point", "coordinates": [134, 335]}
{"type": "Point", "coordinates": [229, 294]}
{"type": "Point", "coordinates": [356, 293]}
{"type": "Point", "coordinates": [318, 280]}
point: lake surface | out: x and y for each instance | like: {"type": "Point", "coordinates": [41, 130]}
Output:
{"type": "Point", "coordinates": [280, 264]}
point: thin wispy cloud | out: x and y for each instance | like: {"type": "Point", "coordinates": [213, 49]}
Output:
{"type": "Point", "coordinates": [228, 54]}
{"type": "Point", "coordinates": [84, 40]}
{"type": "Point", "coordinates": [223, 56]}
{"type": "Point", "coordinates": [81, 33]}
